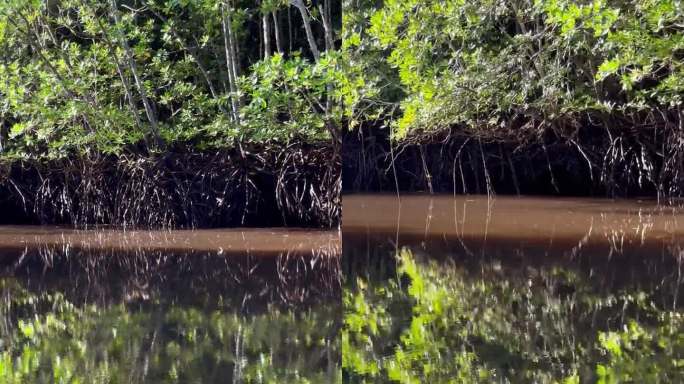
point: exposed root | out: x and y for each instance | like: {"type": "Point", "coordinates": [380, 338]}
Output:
{"type": "Point", "coordinates": [295, 185]}
{"type": "Point", "coordinates": [640, 154]}
{"type": "Point", "coordinates": [309, 186]}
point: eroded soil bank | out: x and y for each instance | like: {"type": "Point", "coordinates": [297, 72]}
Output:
{"type": "Point", "coordinates": [295, 185]}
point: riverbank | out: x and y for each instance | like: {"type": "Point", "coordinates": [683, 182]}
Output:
{"type": "Point", "coordinates": [544, 98]}
{"type": "Point", "coordinates": [183, 187]}
{"type": "Point", "coordinates": [601, 155]}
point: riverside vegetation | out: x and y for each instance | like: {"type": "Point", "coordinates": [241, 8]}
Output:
{"type": "Point", "coordinates": [225, 109]}
{"type": "Point", "coordinates": [520, 96]}
{"type": "Point", "coordinates": [208, 111]}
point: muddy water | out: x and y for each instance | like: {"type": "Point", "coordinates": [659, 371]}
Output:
{"type": "Point", "coordinates": [210, 306]}
{"type": "Point", "coordinates": [512, 289]}
{"type": "Point", "coordinates": [524, 219]}
{"type": "Point", "coordinates": [256, 241]}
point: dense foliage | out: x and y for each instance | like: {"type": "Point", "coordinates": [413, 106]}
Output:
{"type": "Point", "coordinates": [512, 68]}
{"type": "Point", "coordinates": [84, 76]}
{"type": "Point", "coordinates": [437, 324]}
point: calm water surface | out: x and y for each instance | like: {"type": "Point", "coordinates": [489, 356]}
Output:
{"type": "Point", "coordinates": [214, 306]}
{"type": "Point", "coordinates": [512, 290]}
{"type": "Point", "coordinates": [436, 289]}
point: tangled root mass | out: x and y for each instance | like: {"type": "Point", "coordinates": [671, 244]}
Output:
{"type": "Point", "coordinates": [295, 185]}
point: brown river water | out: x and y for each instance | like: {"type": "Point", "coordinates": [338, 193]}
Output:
{"type": "Point", "coordinates": [264, 242]}
{"type": "Point", "coordinates": [555, 222]}
{"type": "Point", "coordinates": [113, 265]}
{"type": "Point", "coordinates": [614, 242]}
{"type": "Point", "coordinates": [528, 285]}
{"type": "Point", "coordinates": [512, 289]}
{"type": "Point", "coordinates": [185, 306]}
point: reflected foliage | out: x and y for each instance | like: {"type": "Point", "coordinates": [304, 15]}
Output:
{"type": "Point", "coordinates": [46, 338]}
{"type": "Point", "coordinates": [431, 323]}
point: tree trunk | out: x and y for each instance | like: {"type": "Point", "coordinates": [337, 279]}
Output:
{"type": "Point", "coordinates": [149, 111]}
{"type": "Point", "coordinates": [3, 134]}
{"type": "Point", "coordinates": [289, 29]}
{"type": "Point", "coordinates": [232, 65]}
{"type": "Point", "coordinates": [235, 48]}
{"type": "Point", "coordinates": [267, 35]}
{"type": "Point", "coordinates": [299, 4]}
{"type": "Point", "coordinates": [327, 26]}
{"type": "Point", "coordinates": [276, 26]}
{"type": "Point", "coordinates": [120, 71]}
{"type": "Point", "coordinates": [230, 61]}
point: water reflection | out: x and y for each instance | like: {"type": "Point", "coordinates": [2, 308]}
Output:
{"type": "Point", "coordinates": [186, 306]}
{"type": "Point", "coordinates": [511, 290]}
